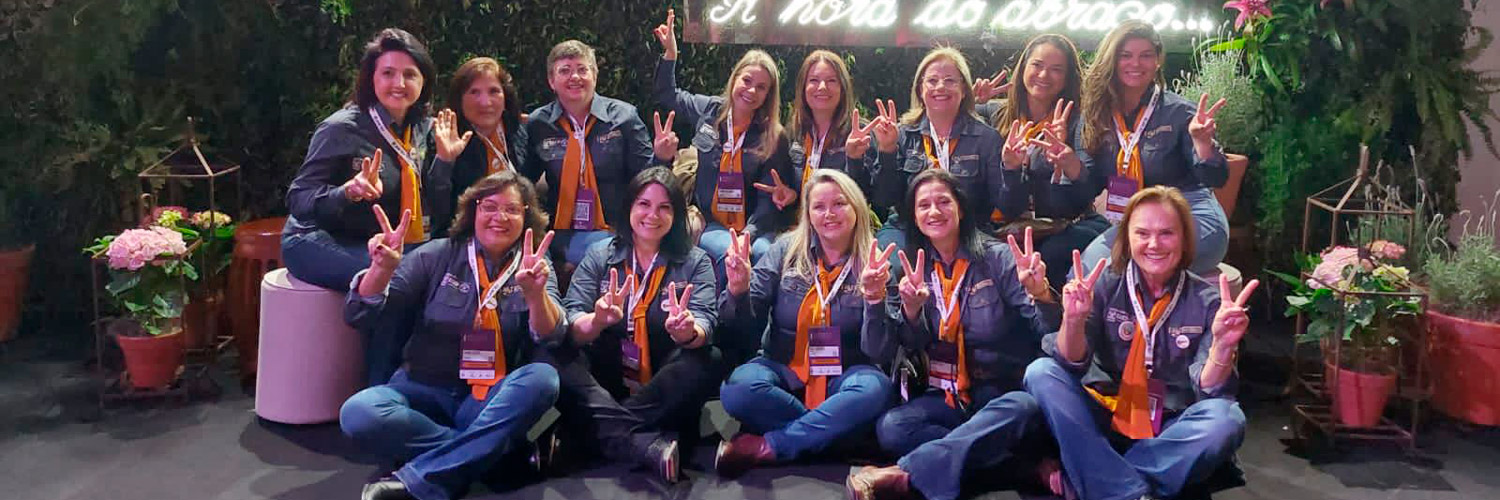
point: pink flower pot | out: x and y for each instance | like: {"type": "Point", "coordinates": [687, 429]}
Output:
{"type": "Point", "coordinates": [1359, 398]}
{"type": "Point", "coordinates": [1465, 364]}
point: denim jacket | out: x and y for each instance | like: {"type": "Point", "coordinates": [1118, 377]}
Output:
{"type": "Point", "coordinates": [708, 138]}
{"type": "Point", "coordinates": [316, 197]}
{"type": "Point", "coordinates": [1180, 351]}
{"type": "Point", "coordinates": [975, 162]}
{"type": "Point", "coordinates": [619, 145]}
{"type": "Point", "coordinates": [1167, 154]}
{"type": "Point", "coordinates": [1033, 186]}
{"type": "Point", "coordinates": [1002, 326]}
{"type": "Point", "coordinates": [430, 303]}
{"type": "Point", "coordinates": [833, 157]}
{"type": "Point", "coordinates": [592, 277]}
{"type": "Point", "coordinates": [768, 312]}
{"type": "Point", "coordinates": [474, 163]}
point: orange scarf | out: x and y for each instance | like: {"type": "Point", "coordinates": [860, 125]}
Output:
{"type": "Point", "coordinates": [812, 314]}
{"type": "Point", "coordinates": [489, 319]}
{"type": "Point", "coordinates": [577, 169]}
{"type": "Point", "coordinates": [642, 338]}
{"type": "Point", "coordinates": [495, 149]}
{"type": "Point", "coordinates": [731, 162]}
{"type": "Point", "coordinates": [1128, 163]}
{"type": "Point", "coordinates": [811, 147]}
{"type": "Point", "coordinates": [1132, 408]}
{"type": "Point", "coordinates": [411, 194]}
{"type": "Point", "coordinates": [932, 155]}
{"type": "Point", "coordinates": [951, 329]}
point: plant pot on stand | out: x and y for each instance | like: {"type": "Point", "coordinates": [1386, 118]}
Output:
{"type": "Point", "coordinates": [1360, 383]}
{"type": "Point", "coordinates": [151, 361]}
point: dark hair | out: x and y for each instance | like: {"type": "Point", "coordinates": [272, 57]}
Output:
{"type": "Point", "coordinates": [1099, 87]}
{"type": "Point", "coordinates": [1017, 104]}
{"type": "Point", "coordinates": [468, 203]}
{"type": "Point", "coordinates": [471, 70]}
{"type": "Point", "coordinates": [969, 236]}
{"type": "Point", "coordinates": [387, 40]}
{"type": "Point", "coordinates": [1167, 196]}
{"type": "Point", "coordinates": [676, 243]}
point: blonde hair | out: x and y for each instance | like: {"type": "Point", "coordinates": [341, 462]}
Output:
{"type": "Point", "coordinates": [950, 54]}
{"type": "Point", "coordinates": [769, 112]}
{"type": "Point", "coordinates": [1099, 90]}
{"type": "Point", "coordinates": [1167, 196]}
{"type": "Point", "coordinates": [800, 259]}
{"type": "Point", "coordinates": [801, 120]}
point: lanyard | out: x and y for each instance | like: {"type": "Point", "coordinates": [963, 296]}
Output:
{"type": "Point", "coordinates": [487, 297]}
{"type": "Point", "coordinates": [405, 154]}
{"type": "Point", "coordinates": [1140, 313]}
{"type": "Point", "coordinates": [941, 144]}
{"type": "Point", "coordinates": [823, 298]}
{"type": "Point", "coordinates": [733, 144]}
{"type": "Point", "coordinates": [815, 155]}
{"type": "Point", "coordinates": [640, 283]}
{"type": "Point", "coordinates": [1128, 143]}
{"type": "Point", "coordinates": [946, 305]}
{"type": "Point", "coordinates": [579, 130]}
{"type": "Point", "coordinates": [498, 150]}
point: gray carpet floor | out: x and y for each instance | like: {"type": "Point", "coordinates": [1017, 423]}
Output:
{"type": "Point", "coordinates": [56, 444]}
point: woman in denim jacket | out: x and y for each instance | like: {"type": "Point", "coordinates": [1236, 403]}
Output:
{"type": "Point", "coordinates": [978, 327]}
{"type": "Point", "coordinates": [819, 298]}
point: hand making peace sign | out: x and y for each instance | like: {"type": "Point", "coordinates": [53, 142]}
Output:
{"type": "Point", "coordinates": [365, 186]}
{"type": "Point", "coordinates": [1078, 294]}
{"type": "Point", "coordinates": [885, 131]}
{"type": "Point", "coordinates": [681, 324]}
{"type": "Point", "coordinates": [610, 308]}
{"type": "Point", "coordinates": [781, 194]}
{"type": "Point", "coordinates": [859, 137]}
{"type": "Point", "coordinates": [1031, 271]}
{"type": "Point", "coordinates": [986, 89]}
{"type": "Point", "coordinates": [737, 263]}
{"type": "Point", "coordinates": [1013, 155]}
{"type": "Point", "coordinates": [533, 270]}
{"type": "Point", "coordinates": [385, 246]}
{"type": "Point", "coordinates": [877, 272]}
{"type": "Point", "coordinates": [913, 287]}
{"type": "Point", "coordinates": [1203, 126]}
{"type": "Point", "coordinates": [1231, 320]}
{"type": "Point", "coordinates": [665, 143]}
{"type": "Point", "coordinates": [667, 36]}
{"type": "Point", "coordinates": [445, 130]}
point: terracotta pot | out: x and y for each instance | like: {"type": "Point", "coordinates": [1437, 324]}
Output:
{"type": "Point", "coordinates": [1464, 361]}
{"type": "Point", "coordinates": [1230, 193]}
{"type": "Point", "coordinates": [15, 268]}
{"type": "Point", "coordinates": [201, 319]}
{"type": "Point", "coordinates": [151, 362]}
{"type": "Point", "coordinates": [1359, 398]}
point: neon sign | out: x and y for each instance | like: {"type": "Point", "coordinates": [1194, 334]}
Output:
{"type": "Point", "coordinates": [922, 22]}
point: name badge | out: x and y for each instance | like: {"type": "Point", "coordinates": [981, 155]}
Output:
{"type": "Point", "coordinates": [731, 190]}
{"type": "Point", "coordinates": [942, 366]}
{"type": "Point", "coordinates": [630, 362]}
{"type": "Point", "coordinates": [1120, 191]}
{"type": "Point", "coordinates": [1156, 398]}
{"type": "Point", "coordinates": [477, 356]}
{"type": "Point", "coordinates": [823, 352]}
{"type": "Point", "coordinates": [583, 210]}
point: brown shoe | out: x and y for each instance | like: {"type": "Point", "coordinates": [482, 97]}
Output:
{"type": "Point", "coordinates": [879, 483]}
{"type": "Point", "coordinates": [742, 453]}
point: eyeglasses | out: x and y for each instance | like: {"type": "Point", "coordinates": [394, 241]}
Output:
{"type": "Point", "coordinates": [513, 210]}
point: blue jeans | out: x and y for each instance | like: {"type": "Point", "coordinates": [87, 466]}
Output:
{"type": "Point", "coordinates": [1211, 225]}
{"type": "Point", "coordinates": [570, 246]}
{"type": "Point", "coordinates": [447, 438]}
{"type": "Point", "coordinates": [1191, 446]}
{"type": "Point", "coordinates": [758, 394]}
{"type": "Point", "coordinates": [889, 233]}
{"type": "Point", "coordinates": [317, 258]}
{"type": "Point", "coordinates": [937, 445]}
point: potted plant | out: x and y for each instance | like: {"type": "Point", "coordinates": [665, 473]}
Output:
{"type": "Point", "coordinates": [1357, 301]}
{"type": "Point", "coordinates": [16, 249]}
{"type": "Point", "coordinates": [147, 269]}
{"type": "Point", "coordinates": [210, 238]}
{"type": "Point", "coordinates": [1464, 323]}
{"type": "Point", "coordinates": [1221, 74]}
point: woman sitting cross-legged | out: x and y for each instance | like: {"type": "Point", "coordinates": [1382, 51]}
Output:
{"type": "Point", "coordinates": [642, 306]}
{"type": "Point", "coordinates": [1144, 362]}
{"type": "Point", "coordinates": [474, 311]}
{"type": "Point", "coordinates": [819, 296]}
{"type": "Point", "coordinates": [974, 318]}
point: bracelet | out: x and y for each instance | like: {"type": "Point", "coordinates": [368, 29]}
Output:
{"type": "Point", "coordinates": [1230, 364]}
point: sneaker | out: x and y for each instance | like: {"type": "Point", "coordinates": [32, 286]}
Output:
{"type": "Point", "coordinates": [386, 489]}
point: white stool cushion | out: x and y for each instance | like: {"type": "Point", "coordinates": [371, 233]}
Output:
{"type": "Point", "coordinates": [310, 360]}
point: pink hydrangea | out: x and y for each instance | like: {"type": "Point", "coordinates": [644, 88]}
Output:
{"type": "Point", "coordinates": [1331, 270]}
{"type": "Point", "coordinates": [1386, 250]}
{"type": "Point", "coordinates": [134, 248]}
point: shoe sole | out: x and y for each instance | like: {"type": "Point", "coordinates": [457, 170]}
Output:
{"type": "Point", "coordinates": [673, 472]}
